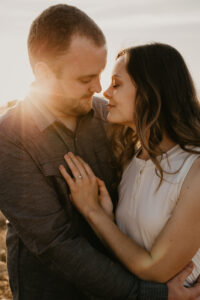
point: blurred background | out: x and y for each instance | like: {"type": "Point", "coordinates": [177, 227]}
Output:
{"type": "Point", "coordinates": [124, 22]}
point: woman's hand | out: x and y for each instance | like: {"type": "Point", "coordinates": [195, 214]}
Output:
{"type": "Point", "coordinates": [104, 199]}
{"type": "Point", "coordinates": [84, 186]}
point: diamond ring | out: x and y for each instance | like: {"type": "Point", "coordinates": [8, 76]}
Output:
{"type": "Point", "coordinates": [80, 177]}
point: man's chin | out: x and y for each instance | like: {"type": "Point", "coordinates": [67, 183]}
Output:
{"type": "Point", "coordinates": [83, 110]}
{"type": "Point", "coordinates": [87, 105]}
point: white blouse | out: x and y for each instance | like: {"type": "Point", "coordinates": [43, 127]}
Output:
{"type": "Point", "coordinates": [142, 211]}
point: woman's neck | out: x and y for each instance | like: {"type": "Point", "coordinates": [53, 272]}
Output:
{"type": "Point", "coordinates": [165, 145]}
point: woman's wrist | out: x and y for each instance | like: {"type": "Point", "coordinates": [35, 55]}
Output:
{"type": "Point", "coordinates": [97, 215]}
{"type": "Point", "coordinates": [111, 216]}
{"type": "Point", "coordinates": [97, 211]}
{"type": "Point", "coordinates": [88, 210]}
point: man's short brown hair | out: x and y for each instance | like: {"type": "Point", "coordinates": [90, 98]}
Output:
{"type": "Point", "coordinates": [51, 32]}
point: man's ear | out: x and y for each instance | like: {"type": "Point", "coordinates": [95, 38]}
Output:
{"type": "Point", "coordinates": [42, 71]}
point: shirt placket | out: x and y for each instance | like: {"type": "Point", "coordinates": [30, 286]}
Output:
{"type": "Point", "coordinates": [67, 136]}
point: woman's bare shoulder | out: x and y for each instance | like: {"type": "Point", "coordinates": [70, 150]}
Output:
{"type": "Point", "coordinates": [191, 184]}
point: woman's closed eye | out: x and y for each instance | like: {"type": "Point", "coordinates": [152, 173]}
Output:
{"type": "Point", "coordinates": [115, 84]}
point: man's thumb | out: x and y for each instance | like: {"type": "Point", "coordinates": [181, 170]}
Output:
{"type": "Point", "coordinates": [186, 272]}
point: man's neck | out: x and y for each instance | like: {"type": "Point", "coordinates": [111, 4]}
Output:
{"type": "Point", "coordinates": [67, 120]}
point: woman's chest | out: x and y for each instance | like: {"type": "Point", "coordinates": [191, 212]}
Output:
{"type": "Point", "coordinates": [143, 210]}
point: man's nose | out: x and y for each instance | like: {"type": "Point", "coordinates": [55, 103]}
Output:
{"type": "Point", "coordinates": [96, 86]}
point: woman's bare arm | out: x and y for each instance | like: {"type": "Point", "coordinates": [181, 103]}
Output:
{"type": "Point", "coordinates": [175, 246]}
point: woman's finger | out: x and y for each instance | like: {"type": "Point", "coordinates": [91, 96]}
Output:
{"type": "Point", "coordinates": [100, 182]}
{"type": "Point", "coordinates": [66, 176]}
{"type": "Point", "coordinates": [102, 187]}
{"type": "Point", "coordinates": [75, 171]}
{"type": "Point", "coordinates": [86, 167]}
{"type": "Point", "coordinates": [78, 164]}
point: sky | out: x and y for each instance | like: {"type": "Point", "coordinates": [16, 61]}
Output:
{"type": "Point", "coordinates": [124, 22]}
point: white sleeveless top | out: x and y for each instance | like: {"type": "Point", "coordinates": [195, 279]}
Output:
{"type": "Point", "coordinates": [142, 211]}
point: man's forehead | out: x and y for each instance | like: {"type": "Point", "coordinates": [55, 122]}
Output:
{"type": "Point", "coordinates": [85, 60]}
{"type": "Point", "coordinates": [82, 48]}
{"type": "Point", "coordinates": [78, 41]}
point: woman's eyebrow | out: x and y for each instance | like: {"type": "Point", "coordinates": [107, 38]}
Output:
{"type": "Point", "coordinates": [116, 75]}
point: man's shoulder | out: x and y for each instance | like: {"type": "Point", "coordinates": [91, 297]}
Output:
{"type": "Point", "coordinates": [11, 113]}
{"type": "Point", "coordinates": [8, 117]}
{"type": "Point", "coordinates": [99, 106]}
{"type": "Point", "coordinates": [14, 121]}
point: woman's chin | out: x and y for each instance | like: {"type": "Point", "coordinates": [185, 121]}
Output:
{"type": "Point", "coordinates": [110, 118]}
{"type": "Point", "coordinates": [117, 121]}
{"type": "Point", "coordinates": [113, 119]}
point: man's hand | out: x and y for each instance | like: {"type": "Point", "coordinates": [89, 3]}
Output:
{"type": "Point", "coordinates": [176, 289]}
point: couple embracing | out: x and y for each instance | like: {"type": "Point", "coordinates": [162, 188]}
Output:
{"type": "Point", "coordinates": [102, 198]}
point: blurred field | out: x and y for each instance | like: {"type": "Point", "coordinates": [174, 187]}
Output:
{"type": "Point", "coordinates": [5, 293]}
{"type": "Point", "coordinates": [4, 285]}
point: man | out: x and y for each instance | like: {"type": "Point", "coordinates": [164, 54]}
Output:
{"type": "Point", "coordinates": [52, 252]}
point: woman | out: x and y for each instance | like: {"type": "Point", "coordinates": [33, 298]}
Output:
{"type": "Point", "coordinates": [158, 214]}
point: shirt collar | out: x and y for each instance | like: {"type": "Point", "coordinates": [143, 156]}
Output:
{"type": "Point", "coordinates": [41, 115]}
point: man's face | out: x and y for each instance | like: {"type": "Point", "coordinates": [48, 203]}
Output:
{"type": "Point", "coordinates": [79, 77]}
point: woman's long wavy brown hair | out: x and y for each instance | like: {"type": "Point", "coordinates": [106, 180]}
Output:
{"type": "Point", "coordinates": [166, 101]}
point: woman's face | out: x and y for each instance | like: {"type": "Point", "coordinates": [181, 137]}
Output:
{"type": "Point", "coordinates": [121, 95]}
